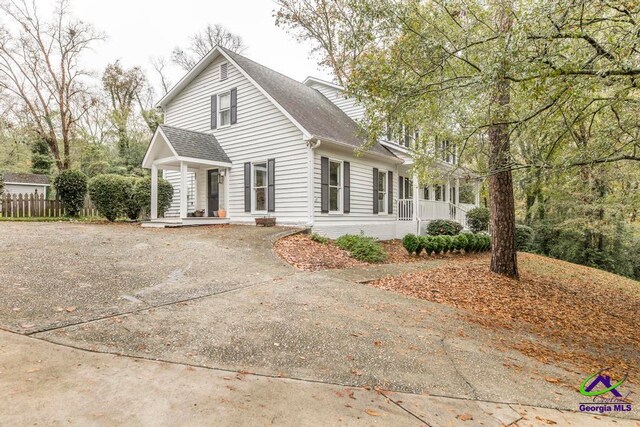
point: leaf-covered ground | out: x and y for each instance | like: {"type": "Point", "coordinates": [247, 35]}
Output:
{"type": "Point", "coordinates": [303, 253]}
{"type": "Point", "coordinates": [586, 317]}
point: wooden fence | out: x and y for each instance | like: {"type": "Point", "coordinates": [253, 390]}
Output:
{"type": "Point", "coordinates": [37, 206]}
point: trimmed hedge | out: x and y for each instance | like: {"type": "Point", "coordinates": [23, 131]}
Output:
{"type": "Point", "coordinates": [468, 242]}
{"type": "Point", "coordinates": [478, 219]}
{"type": "Point", "coordinates": [142, 194]}
{"type": "Point", "coordinates": [71, 188]}
{"type": "Point", "coordinates": [362, 248]}
{"type": "Point", "coordinates": [111, 194]}
{"type": "Point", "coordinates": [442, 227]}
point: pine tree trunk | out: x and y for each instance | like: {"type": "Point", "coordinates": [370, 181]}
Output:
{"type": "Point", "coordinates": [503, 217]}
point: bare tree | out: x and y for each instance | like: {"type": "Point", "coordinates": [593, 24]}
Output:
{"type": "Point", "coordinates": [39, 66]}
{"type": "Point", "coordinates": [159, 65]}
{"type": "Point", "coordinates": [202, 42]}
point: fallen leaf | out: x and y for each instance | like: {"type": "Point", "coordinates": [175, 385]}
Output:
{"type": "Point", "coordinates": [464, 417]}
{"type": "Point", "coordinates": [372, 413]}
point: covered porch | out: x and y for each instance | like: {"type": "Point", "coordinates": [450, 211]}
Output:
{"type": "Point", "coordinates": [197, 168]}
{"type": "Point", "coordinates": [450, 199]}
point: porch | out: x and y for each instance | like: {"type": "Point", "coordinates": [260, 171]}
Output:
{"type": "Point", "coordinates": [451, 199]}
{"type": "Point", "coordinates": [197, 168]}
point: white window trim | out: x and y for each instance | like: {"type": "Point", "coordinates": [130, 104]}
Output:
{"type": "Point", "coordinates": [220, 95]}
{"type": "Point", "coordinates": [340, 210]}
{"type": "Point", "coordinates": [253, 188]}
{"type": "Point", "coordinates": [386, 193]}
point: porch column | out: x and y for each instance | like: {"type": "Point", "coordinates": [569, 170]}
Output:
{"type": "Point", "coordinates": [227, 176]}
{"type": "Point", "coordinates": [154, 192]}
{"type": "Point", "coordinates": [184, 190]}
{"type": "Point", "coordinates": [477, 190]}
{"type": "Point", "coordinates": [457, 198]}
{"type": "Point", "coordinates": [432, 192]}
{"type": "Point", "coordinates": [416, 205]}
{"type": "Point", "coordinates": [447, 192]}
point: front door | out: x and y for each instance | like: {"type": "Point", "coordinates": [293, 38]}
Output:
{"type": "Point", "coordinates": [213, 180]}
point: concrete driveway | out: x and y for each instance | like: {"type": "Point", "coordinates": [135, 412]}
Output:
{"type": "Point", "coordinates": [218, 298]}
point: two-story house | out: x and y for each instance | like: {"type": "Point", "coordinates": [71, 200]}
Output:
{"type": "Point", "coordinates": [248, 140]}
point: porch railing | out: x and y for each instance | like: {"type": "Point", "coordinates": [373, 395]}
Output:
{"type": "Point", "coordinates": [432, 209]}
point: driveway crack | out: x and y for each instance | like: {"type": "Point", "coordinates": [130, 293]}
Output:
{"type": "Point", "coordinates": [455, 368]}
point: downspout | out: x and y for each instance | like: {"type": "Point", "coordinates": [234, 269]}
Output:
{"type": "Point", "coordinates": [311, 145]}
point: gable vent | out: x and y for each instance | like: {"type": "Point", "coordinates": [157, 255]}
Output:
{"type": "Point", "coordinates": [223, 71]}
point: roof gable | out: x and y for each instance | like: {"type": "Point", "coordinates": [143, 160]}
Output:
{"type": "Point", "coordinates": [308, 109]}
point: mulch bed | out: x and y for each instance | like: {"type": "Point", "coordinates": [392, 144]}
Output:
{"type": "Point", "coordinates": [590, 315]}
{"type": "Point", "coordinates": [303, 253]}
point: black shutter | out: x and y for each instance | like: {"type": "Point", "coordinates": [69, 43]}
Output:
{"type": "Point", "coordinates": [234, 105]}
{"type": "Point", "coordinates": [407, 188]}
{"type": "Point", "coordinates": [346, 208]}
{"type": "Point", "coordinates": [324, 184]}
{"type": "Point", "coordinates": [214, 111]}
{"type": "Point", "coordinates": [271, 176]}
{"type": "Point", "coordinates": [247, 187]}
{"type": "Point", "coordinates": [375, 190]}
{"type": "Point", "coordinates": [390, 193]}
{"type": "Point", "coordinates": [400, 187]}
{"type": "Point", "coordinates": [406, 136]}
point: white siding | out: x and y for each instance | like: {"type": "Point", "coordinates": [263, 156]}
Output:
{"type": "Point", "coordinates": [262, 132]}
{"type": "Point", "coordinates": [361, 217]}
{"type": "Point", "coordinates": [24, 189]}
{"type": "Point", "coordinates": [346, 104]}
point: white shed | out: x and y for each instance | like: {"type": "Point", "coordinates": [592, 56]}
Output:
{"type": "Point", "coordinates": [25, 183]}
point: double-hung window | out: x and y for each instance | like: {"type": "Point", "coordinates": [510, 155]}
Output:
{"type": "Point", "coordinates": [335, 186]}
{"type": "Point", "coordinates": [382, 192]}
{"type": "Point", "coordinates": [224, 109]}
{"type": "Point", "coordinates": [260, 186]}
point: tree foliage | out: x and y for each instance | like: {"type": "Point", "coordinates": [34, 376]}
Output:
{"type": "Point", "coordinates": [202, 42]}
{"type": "Point", "coordinates": [39, 67]}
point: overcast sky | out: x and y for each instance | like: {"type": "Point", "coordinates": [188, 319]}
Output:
{"type": "Point", "coordinates": [140, 29]}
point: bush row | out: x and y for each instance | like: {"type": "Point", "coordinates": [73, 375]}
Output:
{"type": "Point", "coordinates": [467, 242]}
{"type": "Point", "coordinates": [116, 196]}
{"type": "Point", "coordinates": [362, 248]}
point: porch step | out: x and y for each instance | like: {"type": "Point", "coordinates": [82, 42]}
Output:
{"type": "Point", "coordinates": [184, 222]}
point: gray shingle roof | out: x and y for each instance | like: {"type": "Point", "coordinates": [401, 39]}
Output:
{"type": "Point", "coordinates": [198, 145]}
{"type": "Point", "coordinates": [26, 178]}
{"type": "Point", "coordinates": [311, 109]}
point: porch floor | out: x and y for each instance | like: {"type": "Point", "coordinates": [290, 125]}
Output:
{"type": "Point", "coordinates": [183, 222]}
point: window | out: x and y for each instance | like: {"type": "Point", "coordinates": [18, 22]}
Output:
{"type": "Point", "coordinates": [425, 193]}
{"type": "Point", "coordinates": [382, 192]}
{"type": "Point", "coordinates": [223, 71]}
{"type": "Point", "coordinates": [224, 109]}
{"type": "Point", "coordinates": [335, 186]}
{"type": "Point", "coordinates": [260, 186]}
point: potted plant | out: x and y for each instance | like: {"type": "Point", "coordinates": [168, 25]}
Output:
{"type": "Point", "coordinates": [222, 213]}
{"type": "Point", "coordinates": [266, 221]}
{"type": "Point", "coordinates": [199, 213]}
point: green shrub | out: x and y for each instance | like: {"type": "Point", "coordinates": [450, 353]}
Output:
{"type": "Point", "coordinates": [71, 188]}
{"type": "Point", "coordinates": [110, 195]}
{"type": "Point", "coordinates": [460, 242]}
{"type": "Point", "coordinates": [441, 227]}
{"type": "Point", "coordinates": [478, 219]}
{"type": "Point", "coordinates": [448, 243]}
{"type": "Point", "coordinates": [349, 241]}
{"type": "Point", "coordinates": [368, 250]}
{"type": "Point", "coordinates": [524, 238]}
{"type": "Point", "coordinates": [484, 242]}
{"type": "Point", "coordinates": [430, 244]}
{"type": "Point", "coordinates": [471, 242]}
{"type": "Point", "coordinates": [362, 248]}
{"type": "Point", "coordinates": [438, 244]}
{"type": "Point", "coordinates": [142, 193]}
{"type": "Point", "coordinates": [320, 239]}
{"type": "Point", "coordinates": [132, 207]}
{"type": "Point", "coordinates": [411, 243]}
